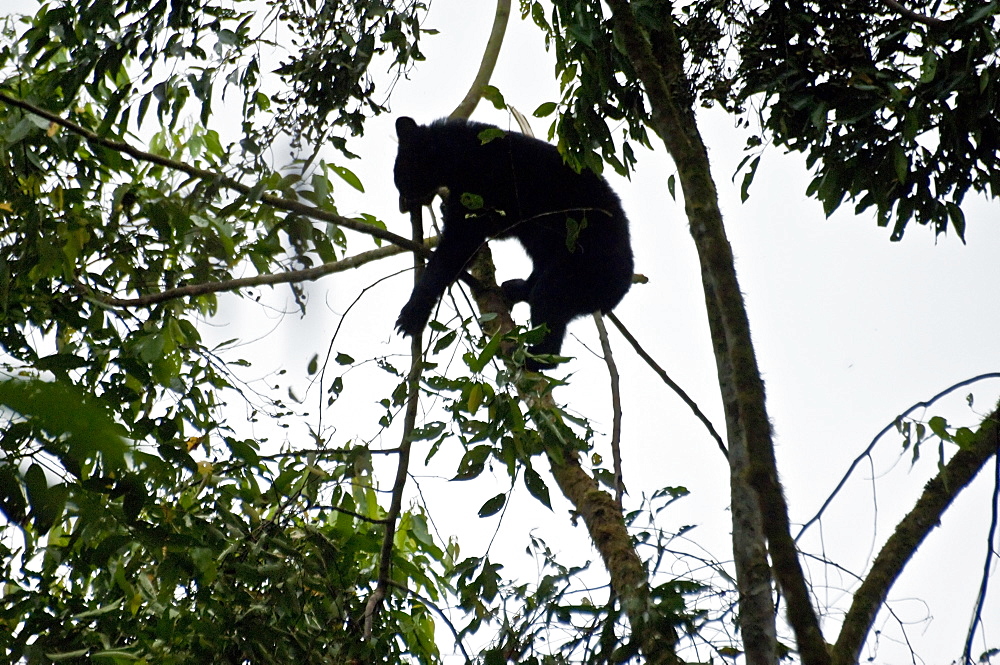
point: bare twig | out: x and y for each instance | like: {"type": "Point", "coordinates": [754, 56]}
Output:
{"type": "Point", "coordinates": [616, 404]}
{"type": "Point", "coordinates": [403, 464]}
{"type": "Point", "coordinates": [670, 382]}
{"type": "Point", "coordinates": [291, 276]}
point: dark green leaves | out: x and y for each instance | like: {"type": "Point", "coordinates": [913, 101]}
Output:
{"type": "Point", "coordinates": [536, 486]}
{"type": "Point", "coordinates": [909, 141]}
{"type": "Point", "coordinates": [493, 506]}
{"type": "Point", "coordinates": [84, 430]}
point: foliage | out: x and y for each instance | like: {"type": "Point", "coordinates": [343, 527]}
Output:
{"type": "Point", "coordinates": [895, 113]}
{"type": "Point", "coordinates": [149, 531]}
{"type": "Point", "coordinates": [597, 82]}
{"type": "Point", "coordinates": [142, 525]}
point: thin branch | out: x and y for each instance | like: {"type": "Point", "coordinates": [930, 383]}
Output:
{"type": "Point", "coordinates": [215, 178]}
{"type": "Point", "coordinates": [409, 422]}
{"type": "Point", "coordinates": [885, 430]}
{"type": "Point", "coordinates": [911, 531]}
{"type": "Point", "coordinates": [468, 105]}
{"type": "Point", "coordinates": [916, 16]}
{"type": "Point", "coordinates": [291, 276]}
{"type": "Point", "coordinates": [670, 382]}
{"type": "Point", "coordinates": [616, 404]}
{"type": "Point", "coordinates": [991, 552]}
{"type": "Point", "coordinates": [349, 513]}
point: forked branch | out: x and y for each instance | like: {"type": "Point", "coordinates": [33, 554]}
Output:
{"type": "Point", "coordinates": [911, 531]}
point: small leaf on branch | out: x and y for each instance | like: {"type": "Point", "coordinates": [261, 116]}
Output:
{"type": "Point", "coordinates": [493, 506]}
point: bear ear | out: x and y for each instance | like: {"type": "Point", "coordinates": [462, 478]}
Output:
{"type": "Point", "coordinates": [405, 128]}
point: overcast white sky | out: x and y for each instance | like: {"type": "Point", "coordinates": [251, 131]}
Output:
{"type": "Point", "coordinates": [850, 330]}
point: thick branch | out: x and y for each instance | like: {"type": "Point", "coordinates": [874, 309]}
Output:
{"type": "Point", "coordinates": [750, 444]}
{"type": "Point", "coordinates": [598, 509]}
{"type": "Point", "coordinates": [926, 514]}
{"type": "Point", "coordinates": [468, 105]}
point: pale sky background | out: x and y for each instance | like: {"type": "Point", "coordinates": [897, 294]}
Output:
{"type": "Point", "coordinates": [850, 330]}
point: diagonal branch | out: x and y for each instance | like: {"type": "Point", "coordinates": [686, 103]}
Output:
{"type": "Point", "coordinates": [277, 202]}
{"type": "Point", "coordinates": [600, 513]}
{"type": "Point", "coordinates": [914, 16]}
{"type": "Point", "coordinates": [468, 105]}
{"type": "Point", "coordinates": [911, 531]}
{"type": "Point", "coordinates": [885, 430]}
{"type": "Point", "coordinates": [662, 373]}
{"type": "Point", "coordinates": [291, 276]}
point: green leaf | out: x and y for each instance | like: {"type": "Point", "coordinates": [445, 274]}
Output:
{"type": "Point", "coordinates": [900, 161]}
{"type": "Point", "coordinates": [748, 179]}
{"type": "Point", "coordinates": [475, 398]}
{"type": "Point", "coordinates": [12, 500]}
{"type": "Point", "coordinates": [473, 462]}
{"type": "Point", "coordinates": [471, 201]}
{"type": "Point", "coordinates": [544, 110]}
{"type": "Point", "coordinates": [536, 486]}
{"type": "Point", "coordinates": [957, 218]}
{"type": "Point", "coordinates": [349, 177]}
{"type": "Point", "coordinates": [928, 66]}
{"type": "Point", "coordinates": [964, 438]}
{"type": "Point", "coordinates": [445, 341]}
{"type": "Point", "coordinates": [477, 363]}
{"type": "Point", "coordinates": [493, 506]}
{"type": "Point", "coordinates": [939, 426]}
{"type": "Point", "coordinates": [428, 431]}
{"type": "Point", "coordinates": [65, 412]}
{"type": "Point", "coordinates": [492, 94]}
{"type": "Point", "coordinates": [491, 134]}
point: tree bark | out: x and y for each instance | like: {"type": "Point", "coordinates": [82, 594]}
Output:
{"type": "Point", "coordinates": [911, 531]}
{"type": "Point", "coordinates": [600, 512]}
{"type": "Point", "coordinates": [758, 502]}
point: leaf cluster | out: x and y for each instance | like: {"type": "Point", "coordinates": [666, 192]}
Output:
{"type": "Point", "coordinates": [896, 110]}
{"type": "Point", "coordinates": [326, 76]}
{"type": "Point", "coordinates": [147, 555]}
{"type": "Point", "coordinates": [597, 83]}
{"type": "Point", "coordinates": [899, 115]}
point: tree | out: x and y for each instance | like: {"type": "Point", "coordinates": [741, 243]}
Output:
{"type": "Point", "coordinates": [151, 526]}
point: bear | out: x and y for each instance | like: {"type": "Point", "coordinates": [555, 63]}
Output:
{"type": "Point", "coordinates": [508, 185]}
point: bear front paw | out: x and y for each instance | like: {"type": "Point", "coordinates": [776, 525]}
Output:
{"type": "Point", "coordinates": [412, 319]}
{"type": "Point", "coordinates": [515, 290]}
